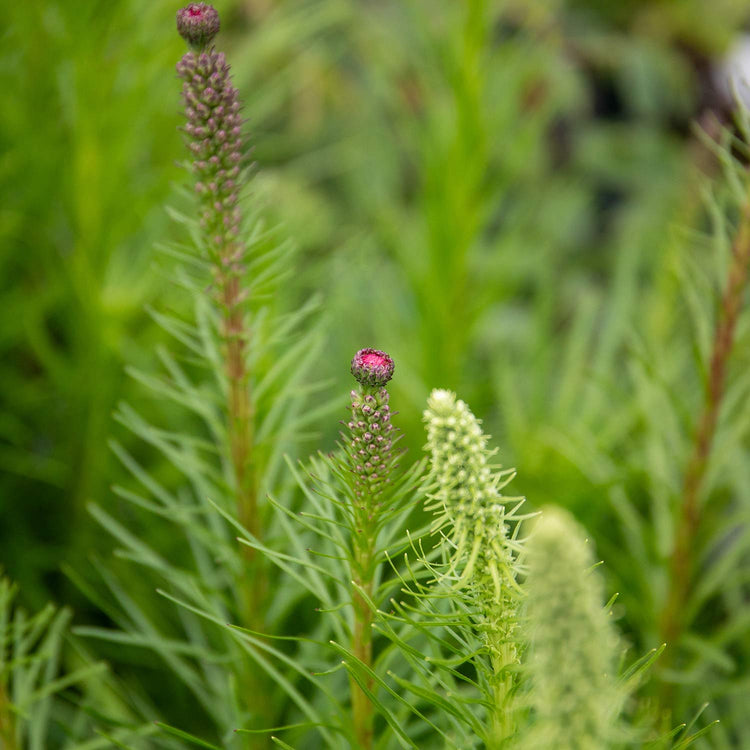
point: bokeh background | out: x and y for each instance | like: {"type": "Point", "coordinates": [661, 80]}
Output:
{"type": "Point", "coordinates": [505, 196]}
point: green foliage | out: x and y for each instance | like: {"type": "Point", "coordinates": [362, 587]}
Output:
{"type": "Point", "coordinates": [52, 695]}
{"type": "Point", "coordinates": [204, 573]}
{"type": "Point", "coordinates": [30, 655]}
{"type": "Point", "coordinates": [321, 553]}
{"type": "Point", "coordinates": [499, 193]}
{"type": "Point", "coordinates": [83, 185]}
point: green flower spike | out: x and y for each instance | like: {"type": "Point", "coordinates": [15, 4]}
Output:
{"type": "Point", "coordinates": [471, 514]}
{"type": "Point", "coordinates": [574, 696]}
{"type": "Point", "coordinates": [467, 501]}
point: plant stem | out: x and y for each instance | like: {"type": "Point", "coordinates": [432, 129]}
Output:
{"type": "Point", "coordinates": [240, 421]}
{"type": "Point", "coordinates": [369, 459]}
{"type": "Point", "coordinates": [362, 710]}
{"type": "Point", "coordinates": [501, 718]}
{"type": "Point", "coordinates": [239, 407]}
{"type": "Point", "coordinates": [672, 624]}
{"type": "Point", "coordinates": [240, 426]}
{"type": "Point", "coordinates": [7, 729]}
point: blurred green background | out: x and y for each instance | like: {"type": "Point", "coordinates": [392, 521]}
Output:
{"type": "Point", "coordinates": [502, 195]}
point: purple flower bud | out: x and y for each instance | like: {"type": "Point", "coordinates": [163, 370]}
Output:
{"type": "Point", "coordinates": [371, 367]}
{"type": "Point", "coordinates": [198, 24]}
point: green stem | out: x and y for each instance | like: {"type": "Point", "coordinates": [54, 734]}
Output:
{"type": "Point", "coordinates": [362, 571]}
{"type": "Point", "coordinates": [501, 722]}
{"type": "Point", "coordinates": [241, 434]}
{"type": "Point", "coordinates": [240, 424]}
{"type": "Point", "coordinates": [362, 577]}
{"type": "Point", "coordinates": [369, 459]}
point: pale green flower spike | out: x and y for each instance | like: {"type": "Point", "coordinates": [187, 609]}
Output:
{"type": "Point", "coordinates": [470, 510]}
{"type": "Point", "coordinates": [574, 696]}
{"type": "Point", "coordinates": [472, 515]}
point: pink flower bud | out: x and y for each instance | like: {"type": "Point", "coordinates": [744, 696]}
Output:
{"type": "Point", "coordinates": [372, 368]}
{"type": "Point", "coordinates": [198, 24]}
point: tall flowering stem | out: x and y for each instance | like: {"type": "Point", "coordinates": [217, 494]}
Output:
{"type": "Point", "coordinates": [484, 557]}
{"type": "Point", "coordinates": [369, 447]}
{"type": "Point", "coordinates": [214, 138]}
{"type": "Point", "coordinates": [688, 525]}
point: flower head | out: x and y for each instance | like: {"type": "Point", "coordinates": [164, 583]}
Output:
{"type": "Point", "coordinates": [213, 132]}
{"type": "Point", "coordinates": [572, 645]}
{"type": "Point", "coordinates": [371, 367]}
{"type": "Point", "coordinates": [474, 515]}
{"type": "Point", "coordinates": [198, 24]}
{"type": "Point", "coordinates": [467, 499]}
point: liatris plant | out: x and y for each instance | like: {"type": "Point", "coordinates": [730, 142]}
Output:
{"type": "Point", "coordinates": [517, 657]}
{"type": "Point", "coordinates": [574, 694]}
{"type": "Point", "coordinates": [481, 527]}
{"type": "Point", "coordinates": [369, 447]}
{"type": "Point", "coordinates": [456, 628]}
{"type": "Point", "coordinates": [238, 424]}
{"type": "Point", "coordinates": [214, 138]}
{"type": "Point", "coordinates": [452, 616]}
{"type": "Point", "coordinates": [34, 706]}
{"type": "Point", "coordinates": [356, 504]}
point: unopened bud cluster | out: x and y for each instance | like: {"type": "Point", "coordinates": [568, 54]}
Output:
{"type": "Point", "coordinates": [574, 694]}
{"type": "Point", "coordinates": [470, 511]}
{"type": "Point", "coordinates": [370, 430]}
{"type": "Point", "coordinates": [467, 497]}
{"type": "Point", "coordinates": [214, 138]}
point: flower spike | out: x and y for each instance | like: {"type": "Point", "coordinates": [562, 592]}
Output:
{"type": "Point", "coordinates": [371, 435]}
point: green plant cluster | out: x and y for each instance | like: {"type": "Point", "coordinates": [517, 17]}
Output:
{"type": "Point", "coordinates": [543, 208]}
